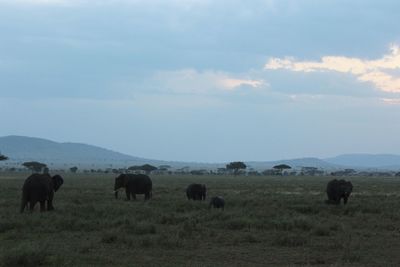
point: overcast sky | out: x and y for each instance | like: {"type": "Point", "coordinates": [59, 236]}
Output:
{"type": "Point", "coordinates": [204, 80]}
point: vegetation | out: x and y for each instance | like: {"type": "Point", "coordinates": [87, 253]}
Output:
{"type": "Point", "coordinates": [73, 169]}
{"type": "Point", "coordinates": [147, 168]}
{"type": "Point", "coordinates": [35, 166]}
{"type": "Point", "coordinates": [267, 221]}
{"type": "Point", "coordinates": [236, 166]}
{"type": "Point", "coordinates": [282, 167]}
{"type": "Point", "coordinates": [2, 157]}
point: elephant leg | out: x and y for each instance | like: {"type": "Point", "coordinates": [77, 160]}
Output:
{"type": "Point", "coordinates": [24, 202]}
{"type": "Point", "coordinates": [42, 206]}
{"type": "Point", "coordinates": [147, 196]}
{"type": "Point", "coordinates": [133, 196]}
{"type": "Point", "coordinates": [50, 201]}
{"type": "Point", "coordinates": [31, 205]}
{"type": "Point", "coordinates": [50, 205]}
{"type": "Point", "coordinates": [345, 200]}
{"type": "Point", "coordinates": [128, 194]}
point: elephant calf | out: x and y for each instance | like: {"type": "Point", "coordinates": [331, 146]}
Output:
{"type": "Point", "coordinates": [196, 192]}
{"type": "Point", "coordinates": [40, 188]}
{"type": "Point", "coordinates": [217, 202]}
{"type": "Point", "coordinates": [134, 184]}
{"type": "Point", "coordinates": [338, 189]}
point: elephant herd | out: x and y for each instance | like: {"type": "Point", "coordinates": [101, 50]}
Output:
{"type": "Point", "coordinates": [41, 188]}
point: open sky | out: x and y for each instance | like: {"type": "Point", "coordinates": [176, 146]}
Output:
{"type": "Point", "coordinates": [204, 80]}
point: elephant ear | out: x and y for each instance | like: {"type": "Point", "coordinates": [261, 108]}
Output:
{"type": "Point", "coordinates": [350, 186]}
{"type": "Point", "coordinates": [57, 182]}
{"type": "Point", "coordinates": [121, 181]}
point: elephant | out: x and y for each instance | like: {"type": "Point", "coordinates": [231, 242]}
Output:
{"type": "Point", "coordinates": [196, 192]}
{"type": "Point", "coordinates": [40, 188]}
{"type": "Point", "coordinates": [217, 202]}
{"type": "Point", "coordinates": [338, 189]}
{"type": "Point", "coordinates": [134, 184]}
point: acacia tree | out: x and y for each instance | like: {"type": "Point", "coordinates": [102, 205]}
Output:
{"type": "Point", "coordinates": [2, 157]}
{"type": "Point", "coordinates": [34, 166]}
{"type": "Point", "coordinates": [148, 168]}
{"type": "Point", "coordinates": [281, 167]}
{"type": "Point", "coordinates": [236, 166]}
{"type": "Point", "coordinates": [73, 169]}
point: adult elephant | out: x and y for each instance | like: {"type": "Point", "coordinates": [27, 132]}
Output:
{"type": "Point", "coordinates": [196, 192]}
{"type": "Point", "coordinates": [40, 188]}
{"type": "Point", "coordinates": [338, 189]}
{"type": "Point", "coordinates": [134, 184]}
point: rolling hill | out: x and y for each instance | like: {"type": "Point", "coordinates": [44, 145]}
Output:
{"type": "Point", "coordinates": [64, 155]}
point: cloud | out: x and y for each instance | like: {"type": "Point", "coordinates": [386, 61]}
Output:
{"type": "Point", "coordinates": [377, 72]}
{"type": "Point", "coordinates": [38, 2]}
{"type": "Point", "coordinates": [391, 101]}
{"type": "Point", "coordinates": [193, 81]}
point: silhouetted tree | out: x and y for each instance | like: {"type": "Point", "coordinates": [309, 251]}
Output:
{"type": "Point", "coordinates": [164, 167]}
{"type": "Point", "coordinates": [34, 166]}
{"type": "Point", "coordinates": [281, 167]}
{"type": "Point", "coordinates": [2, 157]}
{"type": "Point", "coordinates": [73, 169]}
{"type": "Point", "coordinates": [236, 166]}
{"type": "Point", "coordinates": [148, 168]}
{"type": "Point", "coordinates": [134, 168]}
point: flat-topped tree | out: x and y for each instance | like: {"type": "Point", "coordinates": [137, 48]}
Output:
{"type": "Point", "coordinates": [35, 166]}
{"type": "Point", "coordinates": [281, 167]}
{"type": "Point", "coordinates": [148, 168]}
{"type": "Point", "coordinates": [164, 167]}
{"type": "Point", "coordinates": [134, 168]}
{"type": "Point", "coordinates": [2, 157]}
{"type": "Point", "coordinates": [236, 166]}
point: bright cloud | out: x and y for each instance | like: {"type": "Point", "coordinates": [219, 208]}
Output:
{"type": "Point", "coordinates": [230, 83]}
{"type": "Point", "coordinates": [376, 71]}
{"type": "Point", "coordinates": [193, 81]}
{"type": "Point", "coordinates": [391, 101]}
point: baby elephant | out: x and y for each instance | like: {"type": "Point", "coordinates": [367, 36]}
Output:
{"type": "Point", "coordinates": [217, 202]}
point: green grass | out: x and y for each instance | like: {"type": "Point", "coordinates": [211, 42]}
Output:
{"type": "Point", "coordinates": [268, 221]}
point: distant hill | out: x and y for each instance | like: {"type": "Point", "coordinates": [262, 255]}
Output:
{"type": "Point", "coordinates": [20, 149]}
{"type": "Point", "coordinates": [64, 155]}
{"type": "Point", "coordinates": [379, 161]}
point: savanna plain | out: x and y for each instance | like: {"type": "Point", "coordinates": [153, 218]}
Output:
{"type": "Point", "coordinates": [267, 221]}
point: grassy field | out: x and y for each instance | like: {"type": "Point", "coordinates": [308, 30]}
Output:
{"type": "Point", "coordinates": [268, 221]}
